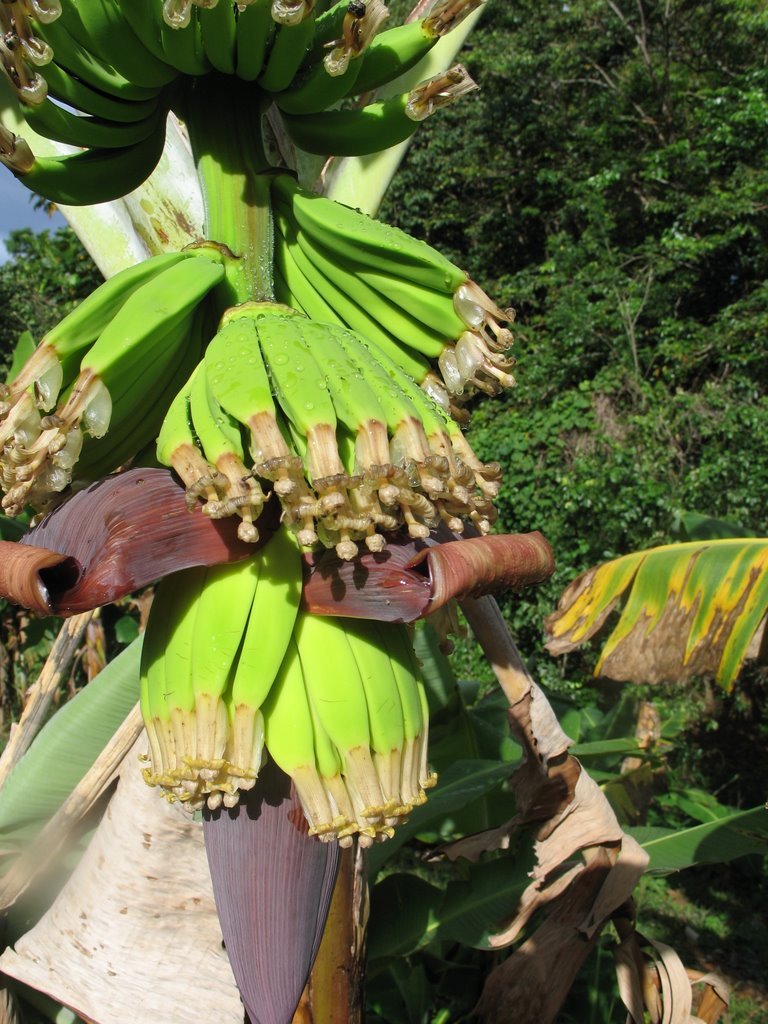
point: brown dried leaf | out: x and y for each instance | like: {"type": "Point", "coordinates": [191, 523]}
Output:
{"type": "Point", "coordinates": [135, 929]}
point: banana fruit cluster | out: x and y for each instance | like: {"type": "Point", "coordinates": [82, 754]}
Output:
{"type": "Point", "coordinates": [337, 264]}
{"type": "Point", "coordinates": [233, 671]}
{"type": "Point", "coordinates": [348, 443]}
{"type": "Point", "coordinates": [102, 75]}
{"type": "Point", "coordinates": [113, 364]}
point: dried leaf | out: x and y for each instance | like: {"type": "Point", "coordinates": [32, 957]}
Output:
{"type": "Point", "coordinates": [690, 609]}
{"type": "Point", "coordinates": [135, 928]}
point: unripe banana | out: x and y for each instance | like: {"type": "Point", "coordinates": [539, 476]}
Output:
{"type": "Point", "coordinates": [347, 232]}
{"type": "Point", "coordinates": [379, 125]}
{"type": "Point", "coordinates": [339, 699]}
{"type": "Point", "coordinates": [290, 740]}
{"type": "Point", "coordinates": [325, 82]}
{"type": "Point", "coordinates": [265, 642]}
{"type": "Point", "coordinates": [255, 31]}
{"type": "Point", "coordinates": [399, 49]}
{"type": "Point", "coordinates": [85, 178]}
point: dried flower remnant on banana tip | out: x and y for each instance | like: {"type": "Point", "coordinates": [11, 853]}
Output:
{"type": "Point", "coordinates": [21, 51]}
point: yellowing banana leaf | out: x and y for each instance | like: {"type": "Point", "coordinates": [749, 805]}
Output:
{"type": "Point", "coordinates": [689, 609]}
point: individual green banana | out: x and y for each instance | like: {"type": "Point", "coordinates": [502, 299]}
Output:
{"type": "Point", "coordinates": [414, 333]}
{"type": "Point", "coordinates": [102, 26]}
{"type": "Point", "coordinates": [77, 94]}
{"type": "Point", "coordinates": [347, 232]}
{"type": "Point", "coordinates": [91, 176]}
{"type": "Point", "coordinates": [300, 387]}
{"type": "Point", "coordinates": [86, 65]}
{"type": "Point", "coordinates": [182, 42]}
{"type": "Point", "coordinates": [415, 774]}
{"type": "Point", "coordinates": [399, 49]}
{"type": "Point", "coordinates": [322, 84]}
{"type": "Point", "coordinates": [154, 707]}
{"type": "Point", "coordinates": [146, 19]}
{"type": "Point", "coordinates": [177, 448]}
{"type": "Point", "coordinates": [239, 382]}
{"type": "Point", "coordinates": [356, 132]}
{"type": "Point", "coordinates": [221, 616]}
{"type": "Point", "coordinates": [219, 34]}
{"type": "Point", "coordinates": [339, 699]}
{"type": "Point", "coordinates": [289, 47]}
{"type": "Point", "coordinates": [218, 434]}
{"type": "Point", "coordinates": [255, 31]}
{"type": "Point", "coordinates": [290, 740]}
{"type": "Point", "coordinates": [167, 690]}
{"type": "Point", "coordinates": [265, 642]}
{"type": "Point", "coordinates": [385, 711]}
{"type": "Point", "coordinates": [61, 125]}
{"type": "Point", "coordinates": [378, 125]}
{"type": "Point", "coordinates": [142, 418]}
{"type": "Point", "coordinates": [435, 309]}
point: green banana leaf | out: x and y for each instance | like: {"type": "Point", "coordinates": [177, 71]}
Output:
{"type": "Point", "coordinates": [695, 526]}
{"type": "Point", "coordinates": [689, 609]}
{"type": "Point", "coordinates": [65, 749]}
{"type": "Point", "coordinates": [716, 842]}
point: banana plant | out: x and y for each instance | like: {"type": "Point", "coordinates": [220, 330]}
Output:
{"type": "Point", "coordinates": [289, 378]}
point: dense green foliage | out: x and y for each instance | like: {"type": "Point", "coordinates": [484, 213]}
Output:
{"type": "Point", "coordinates": [45, 276]}
{"type": "Point", "coordinates": [610, 181]}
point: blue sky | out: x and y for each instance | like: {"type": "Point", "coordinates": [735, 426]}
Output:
{"type": "Point", "coordinates": [16, 210]}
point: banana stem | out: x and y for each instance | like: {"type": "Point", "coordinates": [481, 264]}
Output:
{"type": "Point", "coordinates": [233, 168]}
{"type": "Point", "coordinates": [334, 992]}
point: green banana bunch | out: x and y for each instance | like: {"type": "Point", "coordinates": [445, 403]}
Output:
{"type": "Point", "coordinates": [214, 642]}
{"type": "Point", "coordinates": [108, 364]}
{"type": "Point", "coordinates": [396, 291]}
{"type": "Point", "coordinates": [353, 739]}
{"type": "Point", "coordinates": [350, 446]}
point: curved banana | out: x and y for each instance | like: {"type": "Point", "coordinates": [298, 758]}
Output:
{"type": "Point", "coordinates": [340, 701]}
{"type": "Point", "coordinates": [218, 434]}
{"type": "Point", "coordinates": [255, 31]}
{"type": "Point", "coordinates": [323, 83]}
{"type": "Point", "coordinates": [221, 616]}
{"type": "Point", "coordinates": [77, 94]}
{"type": "Point", "coordinates": [289, 45]}
{"type": "Point", "coordinates": [378, 125]}
{"type": "Point", "coordinates": [238, 381]}
{"type": "Point", "coordinates": [102, 26]}
{"type": "Point", "coordinates": [61, 125]}
{"type": "Point", "coordinates": [290, 740]}
{"type": "Point", "coordinates": [385, 711]}
{"type": "Point", "coordinates": [86, 64]}
{"type": "Point", "coordinates": [92, 176]}
{"type": "Point", "coordinates": [218, 29]}
{"type": "Point", "coordinates": [265, 642]}
{"type": "Point", "coordinates": [347, 232]}
{"type": "Point", "coordinates": [399, 49]}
